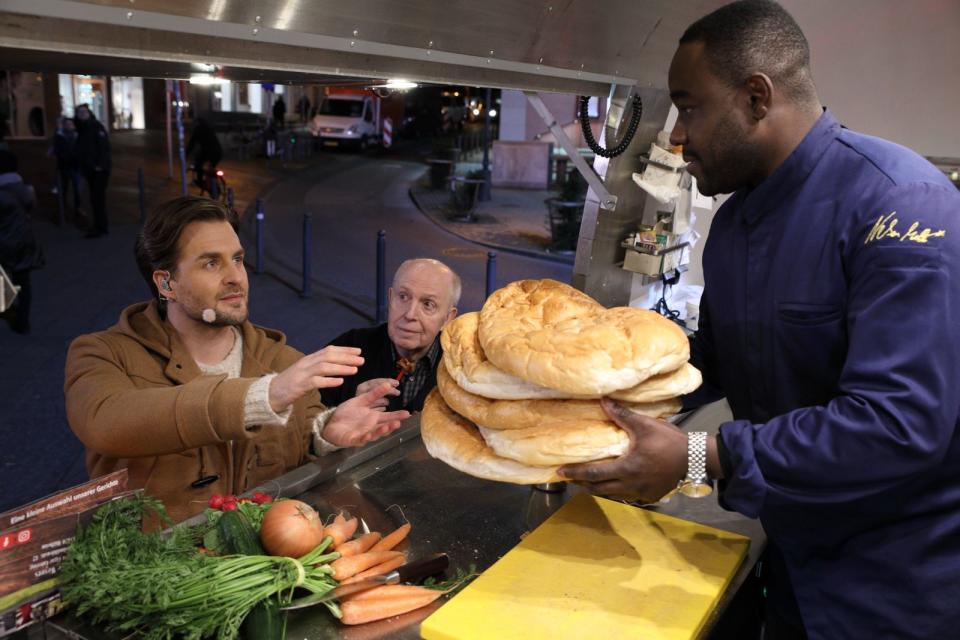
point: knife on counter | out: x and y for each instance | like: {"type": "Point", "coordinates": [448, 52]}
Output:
{"type": "Point", "coordinates": [414, 570]}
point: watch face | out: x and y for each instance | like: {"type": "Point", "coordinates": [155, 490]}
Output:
{"type": "Point", "coordinates": [696, 489]}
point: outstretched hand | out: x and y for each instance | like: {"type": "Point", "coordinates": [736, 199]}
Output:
{"type": "Point", "coordinates": [318, 370]}
{"type": "Point", "coordinates": [384, 401]}
{"type": "Point", "coordinates": [361, 419]}
{"type": "Point", "coordinates": [652, 466]}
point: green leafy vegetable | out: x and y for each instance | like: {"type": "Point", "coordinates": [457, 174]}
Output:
{"type": "Point", "coordinates": [158, 585]}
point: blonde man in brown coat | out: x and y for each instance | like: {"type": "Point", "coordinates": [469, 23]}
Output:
{"type": "Point", "coordinates": [192, 398]}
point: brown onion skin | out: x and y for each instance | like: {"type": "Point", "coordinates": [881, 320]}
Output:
{"type": "Point", "coordinates": [291, 528]}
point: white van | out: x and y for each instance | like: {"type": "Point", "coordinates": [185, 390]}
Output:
{"type": "Point", "coordinates": [347, 119]}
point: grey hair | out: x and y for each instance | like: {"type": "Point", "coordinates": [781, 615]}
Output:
{"type": "Point", "coordinates": [456, 286]}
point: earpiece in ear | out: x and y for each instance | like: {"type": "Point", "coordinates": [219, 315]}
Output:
{"type": "Point", "coordinates": [165, 285]}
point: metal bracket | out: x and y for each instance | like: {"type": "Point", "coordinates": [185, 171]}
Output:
{"type": "Point", "coordinates": [607, 200]}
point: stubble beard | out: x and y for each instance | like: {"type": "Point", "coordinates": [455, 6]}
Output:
{"type": "Point", "coordinates": [733, 159]}
{"type": "Point", "coordinates": [194, 311]}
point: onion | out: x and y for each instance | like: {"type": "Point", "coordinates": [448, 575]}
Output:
{"type": "Point", "coordinates": [291, 528]}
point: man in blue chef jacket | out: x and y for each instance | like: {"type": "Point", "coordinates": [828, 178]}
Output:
{"type": "Point", "coordinates": [829, 320]}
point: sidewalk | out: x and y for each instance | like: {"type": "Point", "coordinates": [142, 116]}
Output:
{"type": "Point", "coordinates": [146, 150]}
{"type": "Point", "coordinates": [512, 220]}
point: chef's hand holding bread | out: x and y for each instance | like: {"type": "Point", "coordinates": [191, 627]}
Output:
{"type": "Point", "coordinates": [519, 389]}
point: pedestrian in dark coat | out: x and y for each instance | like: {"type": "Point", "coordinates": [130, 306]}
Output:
{"type": "Point", "coordinates": [64, 149]}
{"type": "Point", "coordinates": [19, 251]}
{"type": "Point", "coordinates": [279, 111]}
{"type": "Point", "coordinates": [303, 107]}
{"type": "Point", "coordinates": [93, 154]}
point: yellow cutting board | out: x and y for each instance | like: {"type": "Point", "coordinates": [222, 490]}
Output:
{"type": "Point", "coordinates": [597, 569]}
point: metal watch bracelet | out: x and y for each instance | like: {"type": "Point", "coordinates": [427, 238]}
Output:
{"type": "Point", "coordinates": [696, 484]}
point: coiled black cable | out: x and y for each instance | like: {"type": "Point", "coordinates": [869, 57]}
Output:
{"type": "Point", "coordinates": [661, 306]}
{"type": "Point", "coordinates": [627, 137]}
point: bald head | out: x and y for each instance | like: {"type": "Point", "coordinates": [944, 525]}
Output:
{"type": "Point", "coordinates": [422, 300]}
{"type": "Point", "coordinates": [431, 268]}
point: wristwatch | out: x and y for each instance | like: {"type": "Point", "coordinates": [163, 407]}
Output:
{"type": "Point", "coordinates": [696, 484]}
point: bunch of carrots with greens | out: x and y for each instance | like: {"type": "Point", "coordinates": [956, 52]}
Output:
{"type": "Point", "coordinates": [158, 585]}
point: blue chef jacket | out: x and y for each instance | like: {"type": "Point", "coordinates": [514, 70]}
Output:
{"type": "Point", "coordinates": [831, 321]}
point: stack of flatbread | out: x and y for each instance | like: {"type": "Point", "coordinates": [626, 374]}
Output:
{"type": "Point", "coordinates": [518, 390]}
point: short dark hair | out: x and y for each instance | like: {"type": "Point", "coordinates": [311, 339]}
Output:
{"type": "Point", "coordinates": [157, 246]}
{"type": "Point", "coordinates": [756, 36]}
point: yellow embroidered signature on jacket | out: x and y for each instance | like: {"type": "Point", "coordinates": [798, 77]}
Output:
{"type": "Point", "coordinates": [886, 227]}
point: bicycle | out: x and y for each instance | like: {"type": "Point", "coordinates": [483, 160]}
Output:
{"type": "Point", "coordinates": [214, 185]}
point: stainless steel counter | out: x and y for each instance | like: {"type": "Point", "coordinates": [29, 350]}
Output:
{"type": "Point", "coordinates": [475, 521]}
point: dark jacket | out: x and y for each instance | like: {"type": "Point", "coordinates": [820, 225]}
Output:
{"type": "Point", "coordinates": [829, 319]}
{"type": "Point", "coordinates": [204, 140]}
{"type": "Point", "coordinates": [65, 150]}
{"type": "Point", "coordinates": [19, 250]}
{"type": "Point", "coordinates": [93, 146]}
{"type": "Point", "coordinates": [379, 361]}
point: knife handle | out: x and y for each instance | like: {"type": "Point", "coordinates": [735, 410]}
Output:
{"type": "Point", "coordinates": [422, 568]}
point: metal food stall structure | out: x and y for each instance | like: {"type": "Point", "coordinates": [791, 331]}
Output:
{"type": "Point", "coordinates": [614, 50]}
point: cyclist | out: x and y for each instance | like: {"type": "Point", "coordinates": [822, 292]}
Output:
{"type": "Point", "coordinates": [208, 152]}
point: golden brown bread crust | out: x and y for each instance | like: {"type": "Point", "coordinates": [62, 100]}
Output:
{"type": "Point", "coordinates": [560, 415]}
{"type": "Point", "coordinates": [457, 442]}
{"type": "Point", "coordinates": [663, 386]}
{"type": "Point", "coordinates": [550, 334]}
{"type": "Point", "coordinates": [547, 445]}
{"type": "Point", "coordinates": [468, 365]}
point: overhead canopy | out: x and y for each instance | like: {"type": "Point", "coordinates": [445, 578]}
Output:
{"type": "Point", "coordinates": [572, 46]}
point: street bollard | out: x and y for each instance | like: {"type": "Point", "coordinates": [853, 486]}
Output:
{"type": "Point", "coordinates": [491, 272]}
{"type": "Point", "coordinates": [230, 197]}
{"type": "Point", "coordinates": [214, 186]}
{"type": "Point", "coordinates": [307, 245]}
{"type": "Point", "coordinates": [259, 265]}
{"type": "Point", "coordinates": [381, 276]}
{"type": "Point", "coordinates": [141, 199]}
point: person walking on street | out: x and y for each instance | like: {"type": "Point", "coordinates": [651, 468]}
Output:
{"type": "Point", "coordinates": [204, 141]}
{"type": "Point", "coordinates": [270, 140]}
{"type": "Point", "coordinates": [93, 154]}
{"type": "Point", "coordinates": [64, 149]}
{"type": "Point", "coordinates": [19, 251]}
{"type": "Point", "coordinates": [279, 112]}
{"type": "Point", "coordinates": [303, 108]}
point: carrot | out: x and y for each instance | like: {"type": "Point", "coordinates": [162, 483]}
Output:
{"type": "Point", "coordinates": [383, 567]}
{"type": "Point", "coordinates": [350, 566]}
{"type": "Point", "coordinates": [385, 602]}
{"type": "Point", "coordinates": [392, 539]}
{"type": "Point", "coordinates": [359, 545]}
{"type": "Point", "coordinates": [341, 530]}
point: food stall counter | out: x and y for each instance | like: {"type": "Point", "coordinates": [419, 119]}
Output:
{"type": "Point", "coordinates": [474, 521]}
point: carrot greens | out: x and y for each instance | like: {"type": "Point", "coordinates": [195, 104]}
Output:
{"type": "Point", "coordinates": [158, 585]}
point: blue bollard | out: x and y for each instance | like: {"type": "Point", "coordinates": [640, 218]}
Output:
{"type": "Point", "coordinates": [491, 272]}
{"type": "Point", "coordinates": [381, 276]}
{"type": "Point", "coordinates": [141, 196]}
{"type": "Point", "coordinates": [182, 153]}
{"type": "Point", "coordinates": [230, 197]}
{"type": "Point", "coordinates": [307, 245]}
{"type": "Point", "coordinates": [259, 265]}
{"type": "Point", "coordinates": [214, 186]}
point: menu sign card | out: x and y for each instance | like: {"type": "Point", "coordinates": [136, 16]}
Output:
{"type": "Point", "coordinates": [33, 542]}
